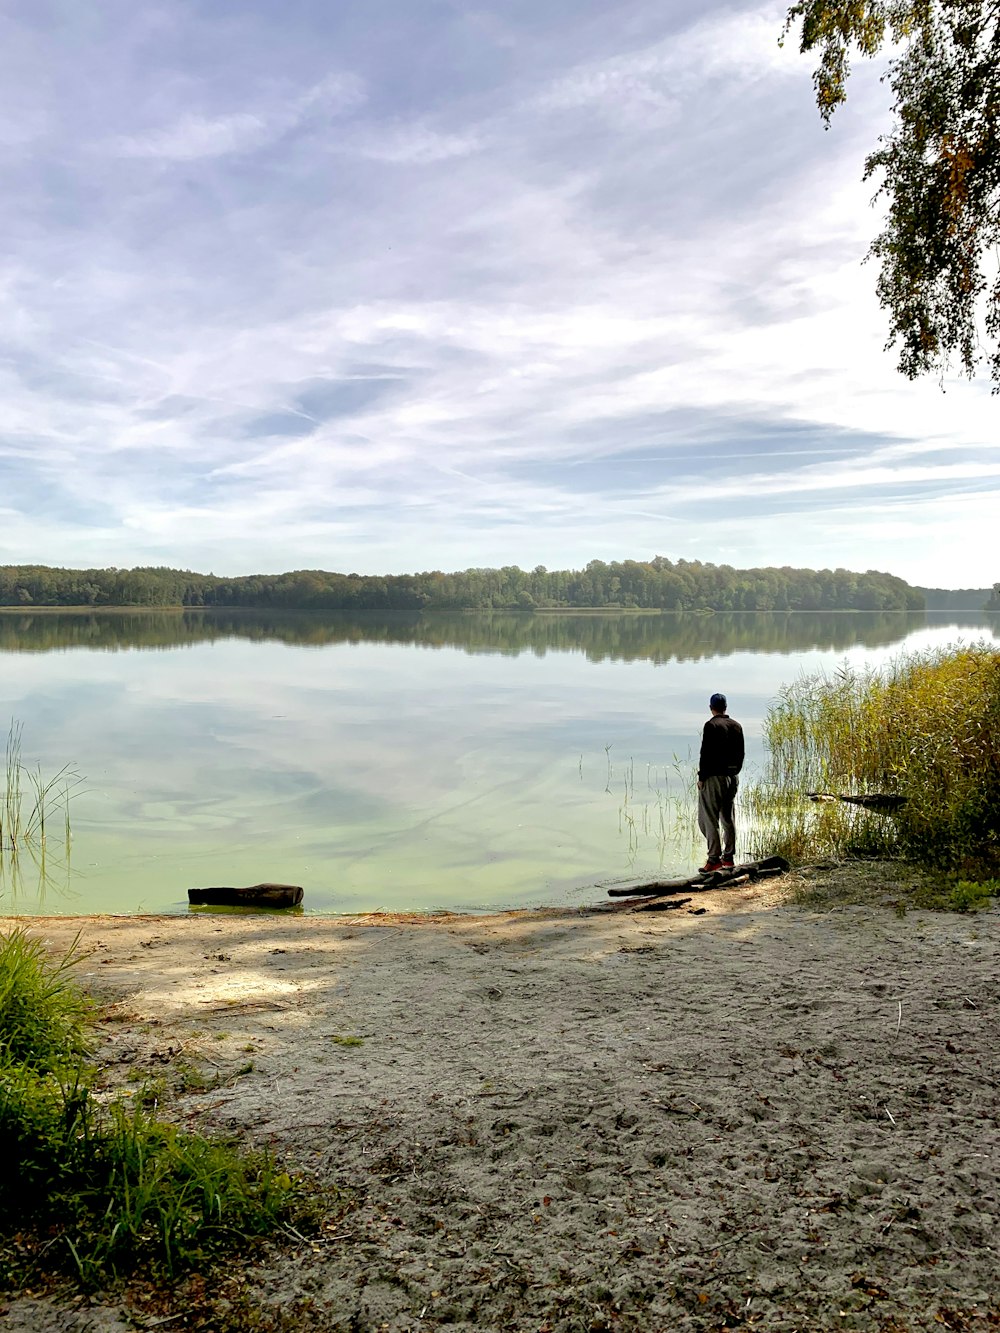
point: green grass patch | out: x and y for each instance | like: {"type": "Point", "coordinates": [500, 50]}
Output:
{"type": "Point", "coordinates": [43, 1014]}
{"type": "Point", "coordinates": [899, 885]}
{"type": "Point", "coordinates": [961, 895]}
{"type": "Point", "coordinates": [96, 1189]}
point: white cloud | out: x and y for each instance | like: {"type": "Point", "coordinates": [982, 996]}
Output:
{"type": "Point", "coordinates": [652, 84]}
{"type": "Point", "coordinates": [415, 144]}
{"type": "Point", "coordinates": [193, 136]}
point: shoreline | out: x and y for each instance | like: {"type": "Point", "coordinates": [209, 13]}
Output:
{"type": "Point", "coordinates": [758, 1116]}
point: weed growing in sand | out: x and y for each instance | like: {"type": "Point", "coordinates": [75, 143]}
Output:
{"type": "Point", "coordinates": [101, 1189]}
{"type": "Point", "coordinates": [925, 728]}
{"type": "Point", "coordinates": [189, 1078]}
{"type": "Point", "coordinates": [956, 896]}
{"type": "Point", "coordinates": [901, 885]}
{"type": "Point", "coordinates": [347, 1041]}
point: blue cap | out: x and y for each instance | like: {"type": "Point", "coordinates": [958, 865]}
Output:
{"type": "Point", "coordinates": [718, 703]}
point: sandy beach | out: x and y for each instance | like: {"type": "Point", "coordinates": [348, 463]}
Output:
{"type": "Point", "coordinates": [760, 1116]}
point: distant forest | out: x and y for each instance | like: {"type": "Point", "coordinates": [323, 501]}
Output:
{"type": "Point", "coordinates": [961, 599]}
{"type": "Point", "coordinates": [658, 584]}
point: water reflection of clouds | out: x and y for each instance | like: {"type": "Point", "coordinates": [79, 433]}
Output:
{"type": "Point", "coordinates": [375, 774]}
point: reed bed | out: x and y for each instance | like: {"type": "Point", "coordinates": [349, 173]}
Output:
{"type": "Point", "coordinates": [926, 727]}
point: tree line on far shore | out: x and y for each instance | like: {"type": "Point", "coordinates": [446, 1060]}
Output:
{"type": "Point", "coordinates": [657, 584]}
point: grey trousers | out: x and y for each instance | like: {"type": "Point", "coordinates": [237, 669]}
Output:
{"type": "Point", "coordinates": [715, 811]}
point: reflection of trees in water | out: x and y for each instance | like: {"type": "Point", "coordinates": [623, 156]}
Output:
{"type": "Point", "coordinates": [667, 637]}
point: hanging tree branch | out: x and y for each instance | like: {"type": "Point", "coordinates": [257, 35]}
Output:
{"type": "Point", "coordinates": [938, 169]}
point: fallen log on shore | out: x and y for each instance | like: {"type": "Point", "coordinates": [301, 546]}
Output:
{"type": "Point", "coordinates": [718, 879]}
{"type": "Point", "coordinates": [885, 802]}
{"type": "Point", "coordinates": [658, 888]}
{"type": "Point", "coordinates": [253, 895]}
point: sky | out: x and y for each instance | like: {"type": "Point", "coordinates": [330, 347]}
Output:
{"type": "Point", "coordinates": [428, 284]}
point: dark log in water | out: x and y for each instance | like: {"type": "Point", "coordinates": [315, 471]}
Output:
{"type": "Point", "coordinates": [718, 879]}
{"type": "Point", "coordinates": [885, 802]}
{"type": "Point", "coordinates": [253, 895]}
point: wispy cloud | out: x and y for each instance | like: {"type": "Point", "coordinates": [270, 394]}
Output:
{"type": "Point", "coordinates": [416, 144]}
{"type": "Point", "coordinates": [193, 136]}
{"type": "Point", "coordinates": [646, 86]}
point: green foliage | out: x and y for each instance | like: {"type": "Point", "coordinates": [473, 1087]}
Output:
{"type": "Point", "coordinates": [969, 896]}
{"type": "Point", "coordinates": [657, 584]}
{"type": "Point", "coordinates": [939, 168]}
{"type": "Point", "coordinates": [899, 884]}
{"type": "Point", "coordinates": [950, 895]}
{"type": "Point", "coordinates": [927, 728]}
{"type": "Point", "coordinates": [42, 1012]}
{"type": "Point", "coordinates": [102, 1189]}
{"type": "Point", "coordinates": [957, 599]}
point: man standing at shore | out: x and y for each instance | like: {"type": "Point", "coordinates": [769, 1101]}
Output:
{"type": "Point", "coordinates": [719, 764]}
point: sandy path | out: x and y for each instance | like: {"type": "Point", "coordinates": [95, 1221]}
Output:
{"type": "Point", "coordinates": [757, 1117]}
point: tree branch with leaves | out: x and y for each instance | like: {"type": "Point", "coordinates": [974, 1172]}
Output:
{"type": "Point", "coordinates": [938, 169]}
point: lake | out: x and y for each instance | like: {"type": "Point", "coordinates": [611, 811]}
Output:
{"type": "Point", "coordinates": [392, 762]}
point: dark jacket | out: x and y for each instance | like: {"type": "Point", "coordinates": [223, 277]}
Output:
{"type": "Point", "coordinates": [721, 748]}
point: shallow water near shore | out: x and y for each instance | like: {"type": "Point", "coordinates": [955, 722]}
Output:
{"type": "Point", "coordinates": [391, 762]}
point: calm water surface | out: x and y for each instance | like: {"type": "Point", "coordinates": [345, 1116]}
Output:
{"type": "Point", "coordinates": [392, 762]}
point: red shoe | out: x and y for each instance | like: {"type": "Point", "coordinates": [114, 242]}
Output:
{"type": "Point", "coordinates": [727, 863]}
{"type": "Point", "coordinates": [710, 867]}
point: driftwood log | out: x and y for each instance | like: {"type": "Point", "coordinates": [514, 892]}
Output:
{"type": "Point", "coordinates": [718, 879]}
{"type": "Point", "coordinates": [253, 895]}
{"type": "Point", "coordinates": [885, 802]}
{"type": "Point", "coordinates": [660, 904]}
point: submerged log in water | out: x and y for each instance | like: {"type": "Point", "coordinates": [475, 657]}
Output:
{"type": "Point", "coordinates": [253, 895]}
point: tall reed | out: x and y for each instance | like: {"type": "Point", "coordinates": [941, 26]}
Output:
{"type": "Point", "coordinates": [30, 801]}
{"type": "Point", "coordinates": [926, 727]}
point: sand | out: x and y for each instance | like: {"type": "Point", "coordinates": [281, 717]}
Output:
{"type": "Point", "coordinates": [756, 1117]}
